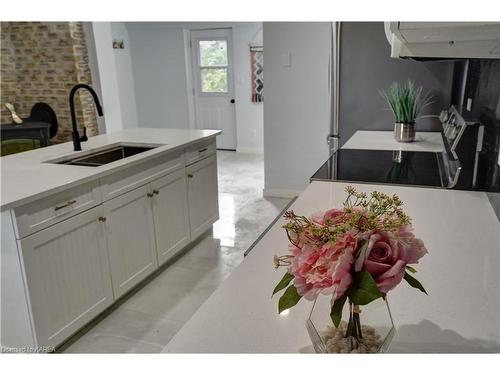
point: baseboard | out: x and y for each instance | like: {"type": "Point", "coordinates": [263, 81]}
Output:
{"type": "Point", "coordinates": [245, 150]}
{"type": "Point", "coordinates": [281, 193]}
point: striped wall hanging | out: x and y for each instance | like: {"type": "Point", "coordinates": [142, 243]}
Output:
{"type": "Point", "coordinates": [257, 67]}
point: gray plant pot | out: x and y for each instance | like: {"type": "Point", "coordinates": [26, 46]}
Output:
{"type": "Point", "coordinates": [404, 132]}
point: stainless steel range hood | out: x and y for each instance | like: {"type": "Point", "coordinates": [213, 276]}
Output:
{"type": "Point", "coordinates": [444, 40]}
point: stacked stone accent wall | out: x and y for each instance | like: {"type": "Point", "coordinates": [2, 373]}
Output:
{"type": "Point", "coordinates": [41, 62]}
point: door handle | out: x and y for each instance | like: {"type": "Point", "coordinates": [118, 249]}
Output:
{"type": "Point", "coordinates": [157, 192]}
{"type": "Point", "coordinates": [149, 195]}
{"type": "Point", "coordinates": [190, 175]}
{"type": "Point", "coordinates": [232, 101]}
{"type": "Point", "coordinates": [102, 219]}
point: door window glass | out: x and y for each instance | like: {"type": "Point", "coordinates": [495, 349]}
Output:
{"type": "Point", "coordinates": [213, 66]}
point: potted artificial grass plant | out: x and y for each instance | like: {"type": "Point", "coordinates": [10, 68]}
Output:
{"type": "Point", "coordinates": [406, 101]}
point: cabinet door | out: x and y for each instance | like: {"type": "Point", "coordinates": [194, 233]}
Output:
{"type": "Point", "coordinates": [170, 212]}
{"type": "Point", "coordinates": [67, 275]}
{"type": "Point", "coordinates": [203, 197]}
{"type": "Point", "coordinates": [130, 235]}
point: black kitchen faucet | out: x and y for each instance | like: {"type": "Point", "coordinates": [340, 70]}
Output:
{"type": "Point", "coordinates": [76, 136]}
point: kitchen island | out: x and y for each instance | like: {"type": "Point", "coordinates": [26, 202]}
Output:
{"type": "Point", "coordinates": [460, 314]}
{"type": "Point", "coordinates": [28, 176]}
{"type": "Point", "coordinates": [81, 229]}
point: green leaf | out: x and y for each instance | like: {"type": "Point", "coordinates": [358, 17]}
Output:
{"type": "Point", "coordinates": [288, 299]}
{"type": "Point", "coordinates": [287, 277]}
{"type": "Point", "coordinates": [414, 282]}
{"type": "Point", "coordinates": [363, 289]}
{"type": "Point", "coordinates": [411, 269]}
{"type": "Point", "coordinates": [336, 312]}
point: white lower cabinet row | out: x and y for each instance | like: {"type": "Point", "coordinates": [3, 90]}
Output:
{"type": "Point", "coordinates": [76, 268]}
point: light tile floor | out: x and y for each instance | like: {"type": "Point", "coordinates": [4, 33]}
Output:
{"type": "Point", "coordinates": [146, 322]}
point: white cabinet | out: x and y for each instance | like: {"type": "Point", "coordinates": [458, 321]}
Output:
{"type": "Point", "coordinates": [170, 212]}
{"type": "Point", "coordinates": [200, 150]}
{"type": "Point", "coordinates": [140, 174]}
{"type": "Point", "coordinates": [130, 235]}
{"type": "Point", "coordinates": [67, 275]}
{"type": "Point", "coordinates": [35, 216]}
{"type": "Point", "coordinates": [68, 256]}
{"type": "Point", "coordinates": [202, 195]}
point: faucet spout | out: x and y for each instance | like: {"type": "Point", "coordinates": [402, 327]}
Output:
{"type": "Point", "coordinates": [76, 136]}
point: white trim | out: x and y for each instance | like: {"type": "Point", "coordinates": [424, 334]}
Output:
{"type": "Point", "coordinates": [246, 150]}
{"type": "Point", "coordinates": [189, 78]}
{"type": "Point", "coordinates": [281, 193]}
{"type": "Point", "coordinates": [94, 70]}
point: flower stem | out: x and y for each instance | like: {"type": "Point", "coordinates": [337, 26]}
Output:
{"type": "Point", "coordinates": [353, 331]}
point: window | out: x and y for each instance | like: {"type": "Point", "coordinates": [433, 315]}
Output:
{"type": "Point", "coordinates": [213, 66]}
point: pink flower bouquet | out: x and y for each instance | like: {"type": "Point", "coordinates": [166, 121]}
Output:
{"type": "Point", "coordinates": [359, 252]}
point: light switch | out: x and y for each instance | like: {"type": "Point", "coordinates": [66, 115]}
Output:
{"type": "Point", "coordinates": [286, 59]}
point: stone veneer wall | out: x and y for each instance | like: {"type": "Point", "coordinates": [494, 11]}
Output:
{"type": "Point", "coordinates": [41, 62]}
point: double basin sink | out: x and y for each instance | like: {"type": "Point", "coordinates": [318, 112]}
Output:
{"type": "Point", "coordinates": [104, 156]}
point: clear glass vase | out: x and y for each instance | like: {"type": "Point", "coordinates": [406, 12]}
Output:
{"type": "Point", "coordinates": [363, 329]}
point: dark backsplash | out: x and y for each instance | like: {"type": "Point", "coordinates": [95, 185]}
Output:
{"type": "Point", "coordinates": [366, 68]}
{"type": "Point", "coordinates": [482, 86]}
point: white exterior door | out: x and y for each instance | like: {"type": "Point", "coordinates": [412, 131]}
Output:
{"type": "Point", "coordinates": [212, 63]}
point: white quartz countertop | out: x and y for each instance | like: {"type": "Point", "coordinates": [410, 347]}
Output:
{"type": "Point", "coordinates": [26, 176]}
{"type": "Point", "coordinates": [384, 140]}
{"type": "Point", "coordinates": [461, 275]}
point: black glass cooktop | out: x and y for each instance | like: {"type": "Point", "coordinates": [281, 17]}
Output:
{"type": "Point", "coordinates": [385, 167]}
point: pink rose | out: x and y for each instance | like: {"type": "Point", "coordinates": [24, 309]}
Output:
{"type": "Point", "coordinates": [414, 247]}
{"type": "Point", "coordinates": [326, 270]}
{"type": "Point", "coordinates": [341, 274]}
{"type": "Point", "coordinates": [384, 259]}
{"type": "Point", "coordinates": [333, 215]}
{"type": "Point", "coordinates": [318, 217]}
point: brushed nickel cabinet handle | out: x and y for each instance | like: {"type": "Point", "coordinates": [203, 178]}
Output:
{"type": "Point", "coordinates": [102, 219]}
{"type": "Point", "coordinates": [156, 192]}
{"type": "Point", "coordinates": [68, 203]}
{"type": "Point", "coordinates": [149, 195]}
{"type": "Point", "coordinates": [190, 175]}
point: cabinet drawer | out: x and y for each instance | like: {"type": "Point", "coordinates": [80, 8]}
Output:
{"type": "Point", "coordinates": [200, 151]}
{"type": "Point", "coordinates": [131, 178]}
{"type": "Point", "coordinates": [45, 212]}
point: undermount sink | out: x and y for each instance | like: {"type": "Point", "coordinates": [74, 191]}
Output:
{"type": "Point", "coordinates": [104, 156]}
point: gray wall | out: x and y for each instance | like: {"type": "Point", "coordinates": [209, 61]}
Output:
{"type": "Point", "coordinates": [296, 107]}
{"type": "Point", "coordinates": [124, 75]}
{"type": "Point", "coordinates": [159, 71]}
{"type": "Point", "coordinates": [367, 68]}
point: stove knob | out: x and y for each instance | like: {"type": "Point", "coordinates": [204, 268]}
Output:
{"type": "Point", "coordinates": [443, 116]}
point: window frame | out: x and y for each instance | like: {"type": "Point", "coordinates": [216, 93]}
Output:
{"type": "Point", "coordinates": [227, 67]}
